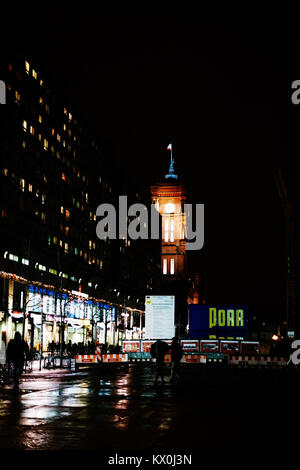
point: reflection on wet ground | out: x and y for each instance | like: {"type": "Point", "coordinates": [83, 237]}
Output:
{"type": "Point", "coordinates": [92, 409]}
{"type": "Point", "coordinates": [121, 408]}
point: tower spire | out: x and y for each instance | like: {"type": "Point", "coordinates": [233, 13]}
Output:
{"type": "Point", "coordinates": [171, 173]}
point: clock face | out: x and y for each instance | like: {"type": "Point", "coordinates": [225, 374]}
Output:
{"type": "Point", "coordinates": [169, 207]}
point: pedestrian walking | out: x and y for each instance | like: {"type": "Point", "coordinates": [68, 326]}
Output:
{"type": "Point", "coordinates": [158, 351]}
{"type": "Point", "coordinates": [176, 355]}
{"type": "Point", "coordinates": [17, 352]}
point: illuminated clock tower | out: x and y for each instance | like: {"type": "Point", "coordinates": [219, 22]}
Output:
{"type": "Point", "coordinates": [169, 197]}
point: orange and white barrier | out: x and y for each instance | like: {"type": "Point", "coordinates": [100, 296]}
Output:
{"type": "Point", "coordinates": [98, 353]}
{"type": "Point", "coordinates": [194, 358]}
{"type": "Point", "coordinates": [243, 360]}
{"type": "Point", "coordinates": [262, 361]}
{"type": "Point", "coordinates": [271, 361]}
{"type": "Point", "coordinates": [115, 358]}
{"type": "Point", "coordinates": [86, 358]}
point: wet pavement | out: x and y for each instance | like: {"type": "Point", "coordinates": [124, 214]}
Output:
{"type": "Point", "coordinates": [113, 408]}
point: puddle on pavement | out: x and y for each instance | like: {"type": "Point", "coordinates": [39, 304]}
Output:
{"type": "Point", "coordinates": [44, 412]}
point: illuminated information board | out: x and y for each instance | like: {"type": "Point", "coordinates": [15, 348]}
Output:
{"type": "Point", "coordinates": [160, 316]}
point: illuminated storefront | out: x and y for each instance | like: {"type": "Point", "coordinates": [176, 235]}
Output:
{"type": "Point", "coordinates": [71, 315]}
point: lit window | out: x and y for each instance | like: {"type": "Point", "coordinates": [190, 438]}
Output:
{"type": "Point", "coordinates": [41, 82]}
{"type": "Point", "coordinates": [172, 266]}
{"type": "Point", "coordinates": [34, 74]}
{"type": "Point", "coordinates": [65, 127]}
{"type": "Point", "coordinates": [58, 154]}
{"type": "Point", "coordinates": [27, 66]}
{"type": "Point", "coordinates": [172, 231]}
{"type": "Point", "coordinates": [13, 257]}
{"type": "Point", "coordinates": [3, 213]}
{"type": "Point", "coordinates": [22, 184]}
{"type": "Point", "coordinates": [76, 251]}
{"type": "Point", "coordinates": [67, 230]}
{"type": "Point", "coordinates": [66, 248]}
{"type": "Point", "coordinates": [31, 130]}
{"type": "Point", "coordinates": [70, 117]}
{"type": "Point", "coordinates": [45, 144]}
{"type": "Point", "coordinates": [30, 188]}
{"type": "Point", "coordinates": [25, 261]}
{"type": "Point", "coordinates": [43, 217]}
{"type": "Point", "coordinates": [24, 144]}
{"type": "Point", "coordinates": [65, 111]}
{"type": "Point", "coordinates": [40, 100]}
{"type": "Point", "coordinates": [60, 243]}
{"type": "Point", "coordinates": [5, 171]}
{"type": "Point", "coordinates": [40, 137]}
{"type": "Point", "coordinates": [25, 126]}
{"type": "Point", "coordinates": [58, 137]}
{"type": "Point", "coordinates": [165, 266]}
{"type": "Point", "coordinates": [41, 267]}
{"type": "Point", "coordinates": [90, 244]}
{"type": "Point", "coordinates": [63, 177]}
{"type": "Point", "coordinates": [53, 271]}
{"type": "Point", "coordinates": [101, 264]}
{"type": "Point", "coordinates": [54, 240]}
{"type": "Point", "coordinates": [47, 108]}
{"type": "Point", "coordinates": [49, 240]}
{"type": "Point", "coordinates": [166, 230]}
{"type": "Point", "coordinates": [40, 119]}
{"type": "Point", "coordinates": [61, 209]}
{"type": "Point", "coordinates": [17, 96]}
{"type": "Point", "coordinates": [67, 214]}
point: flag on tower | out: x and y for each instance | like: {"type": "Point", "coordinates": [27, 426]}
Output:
{"type": "Point", "coordinates": [169, 147]}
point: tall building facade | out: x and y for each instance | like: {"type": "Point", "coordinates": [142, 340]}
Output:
{"type": "Point", "coordinates": [53, 268]}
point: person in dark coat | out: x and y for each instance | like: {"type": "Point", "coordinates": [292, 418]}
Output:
{"type": "Point", "coordinates": [176, 355]}
{"type": "Point", "coordinates": [17, 352]}
{"type": "Point", "coordinates": [158, 351]}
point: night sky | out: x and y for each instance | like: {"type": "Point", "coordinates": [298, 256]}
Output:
{"type": "Point", "coordinates": [219, 88]}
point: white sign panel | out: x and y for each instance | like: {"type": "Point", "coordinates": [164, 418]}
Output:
{"type": "Point", "coordinates": [160, 316]}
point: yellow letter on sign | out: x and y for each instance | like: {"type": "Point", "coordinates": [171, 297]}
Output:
{"type": "Point", "coordinates": [240, 318]}
{"type": "Point", "coordinates": [230, 317]}
{"type": "Point", "coordinates": [221, 318]}
{"type": "Point", "coordinates": [212, 317]}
